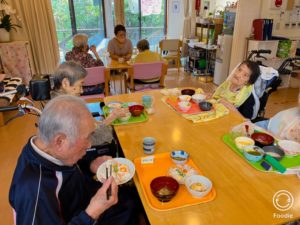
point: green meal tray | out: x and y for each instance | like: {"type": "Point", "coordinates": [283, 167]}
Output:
{"type": "Point", "coordinates": [286, 161]}
{"type": "Point", "coordinates": [133, 119]}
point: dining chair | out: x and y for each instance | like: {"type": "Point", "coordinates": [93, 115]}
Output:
{"type": "Point", "coordinates": [95, 76]}
{"type": "Point", "coordinates": [145, 71]}
{"type": "Point", "coordinates": [170, 50]}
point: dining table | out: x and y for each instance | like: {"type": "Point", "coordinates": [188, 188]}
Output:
{"type": "Point", "coordinates": [244, 195]}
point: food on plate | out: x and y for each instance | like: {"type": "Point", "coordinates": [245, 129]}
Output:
{"type": "Point", "coordinates": [198, 187]}
{"type": "Point", "coordinates": [120, 171]}
{"type": "Point", "coordinates": [180, 172]}
{"type": "Point", "coordinates": [114, 105]}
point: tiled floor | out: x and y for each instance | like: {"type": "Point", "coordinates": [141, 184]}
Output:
{"type": "Point", "coordinates": [13, 137]}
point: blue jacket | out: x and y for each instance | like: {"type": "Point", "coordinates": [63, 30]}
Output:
{"type": "Point", "coordinates": [43, 193]}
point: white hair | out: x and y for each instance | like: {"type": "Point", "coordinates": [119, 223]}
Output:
{"type": "Point", "coordinates": [80, 40]}
{"type": "Point", "coordinates": [62, 114]}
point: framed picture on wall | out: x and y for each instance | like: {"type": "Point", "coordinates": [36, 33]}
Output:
{"type": "Point", "coordinates": [176, 6]}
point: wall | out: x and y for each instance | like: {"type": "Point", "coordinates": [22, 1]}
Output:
{"type": "Point", "coordinates": [175, 20]}
{"type": "Point", "coordinates": [246, 12]}
{"type": "Point", "coordinates": [281, 17]}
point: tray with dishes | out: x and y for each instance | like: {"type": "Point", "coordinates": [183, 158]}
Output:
{"type": "Point", "coordinates": [184, 104]}
{"type": "Point", "coordinates": [136, 112]}
{"type": "Point", "coordinates": [172, 180]}
{"type": "Point", "coordinates": [262, 150]}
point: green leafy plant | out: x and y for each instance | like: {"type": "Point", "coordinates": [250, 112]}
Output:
{"type": "Point", "coordinates": [6, 13]}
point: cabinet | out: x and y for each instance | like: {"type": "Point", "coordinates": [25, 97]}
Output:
{"type": "Point", "coordinates": [258, 45]}
{"type": "Point", "coordinates": [209, 29]}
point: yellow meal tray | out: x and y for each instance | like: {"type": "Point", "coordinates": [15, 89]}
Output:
{"type": "Point", "coordinates": [162, 162]}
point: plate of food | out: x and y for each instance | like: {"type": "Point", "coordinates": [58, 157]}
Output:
{"type": "Point", "coordinates": [121, 169]}
{"type": "Point", "coordinates": [181, 172]}
{"type": "Point", "coordinates": [114, 104]}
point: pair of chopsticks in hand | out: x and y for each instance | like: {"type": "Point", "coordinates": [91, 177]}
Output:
{"type": "Point", "coordinates": [108, 192]}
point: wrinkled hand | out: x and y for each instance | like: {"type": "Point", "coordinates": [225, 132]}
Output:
{"type": "Point", "coordinates": [99, 202]}
{"type": "Point", "coordinates": [93, 48]}
{"type": "Point", "coordinates": [97, 162]}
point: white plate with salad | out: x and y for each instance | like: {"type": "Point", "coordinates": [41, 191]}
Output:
{"type": "Point", "coordinates": [121, 169]}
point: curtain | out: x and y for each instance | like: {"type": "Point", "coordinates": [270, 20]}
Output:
{"type": "Point", "coordinates": [38, 22]}
{"type": "Point", "coordinates": [187, 20]}
{"type": "Point", "coordinates": [119, 12]}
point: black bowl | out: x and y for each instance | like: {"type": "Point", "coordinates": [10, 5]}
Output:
{"type": "Point", "coordinates": [274, 151]}
{"type": "Point", "coordinates": [189, 92]}
{"type": "Point", "coordinates": [205, 106]}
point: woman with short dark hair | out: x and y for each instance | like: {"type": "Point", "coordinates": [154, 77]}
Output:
{"type": "Point", "coordinates": [120, 48]}
{"type": "Point", "coordinates": [238, 87]}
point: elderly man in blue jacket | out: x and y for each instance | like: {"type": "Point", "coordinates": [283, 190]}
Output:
{"type": "Point", "coordinates": [48, 186]}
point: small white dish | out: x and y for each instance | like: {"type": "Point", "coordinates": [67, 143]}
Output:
{"type": "Point", "coordinates": [185, 106]}
{"type": "Point", "coordinates": [198, 98]}
{"type": "Point", "coordinates": [291, 148]}
{"type": "Point", "coordinates": [184, 98]}
{"type": "Point", "coordinates": [242, 142]}
{"type": "Point", "coordinates": [179, 156]}
{"type": "Point", "coordinates": [198, 186]}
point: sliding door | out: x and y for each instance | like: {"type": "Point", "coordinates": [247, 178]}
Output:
{"type": "Point", "coordinates": [145, 19]}
{"type": "Point", "coordinates": [78, 16]}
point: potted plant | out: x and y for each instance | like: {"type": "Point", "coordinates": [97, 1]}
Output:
{"type": "Point", "coordinates": [6, 23]}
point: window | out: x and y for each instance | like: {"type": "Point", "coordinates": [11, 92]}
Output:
{"type": "Point", "coordinates": [78, 16]}
{"type": "Point", "coordinates": [145, 19]}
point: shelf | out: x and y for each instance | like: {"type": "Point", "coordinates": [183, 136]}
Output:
{"type": "Point", "coordinates": [208, 27]}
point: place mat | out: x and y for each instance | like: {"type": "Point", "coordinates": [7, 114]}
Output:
{"type": "Point", "coordinates": [286, 161]}
{"type": "Point", "coordinates": [203, 116]}
{"type": "Point", "coordinates": [195, 109]}
{"type": "Point", "coordinates": [162, 162]}
{"type": "Point", "coordinates": [133, 119]}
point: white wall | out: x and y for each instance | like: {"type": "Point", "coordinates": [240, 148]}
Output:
{"type": "Point", "coordinates": [175, 21]}
{"type": "Point", "coordinates": [246, 12]}
{"type": "Point", "coordinates": [281, 17]}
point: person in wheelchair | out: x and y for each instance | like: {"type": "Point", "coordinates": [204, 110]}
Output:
{"type": "Point", "coordinates": [285, 124]}
{"type": "Point", "coordinates": [254, 106]}
{"type": "Point", "coordinates": [68, 79]}
{"type": "Point", "coordinates": [239, 85]}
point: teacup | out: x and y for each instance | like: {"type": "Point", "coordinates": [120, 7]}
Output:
{"type": "Point", "coordinates": [149, 145]}
{"type": "Point", "coordinates": [147, 101]}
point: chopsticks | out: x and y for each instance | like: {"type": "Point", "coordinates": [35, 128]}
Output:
{"type": "Point", "coordinates": [108, 192]}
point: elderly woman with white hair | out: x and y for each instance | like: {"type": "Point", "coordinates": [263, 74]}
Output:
{"type": "Point", "coordinates": [68, 79]}
{"type": "Point", "coordinates": [285, 124]}
{"type": "Point", "coordinates": [80, 53]}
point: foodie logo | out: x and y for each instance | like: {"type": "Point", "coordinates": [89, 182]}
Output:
{"type": "Point", "coordinates": [283, 200]}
